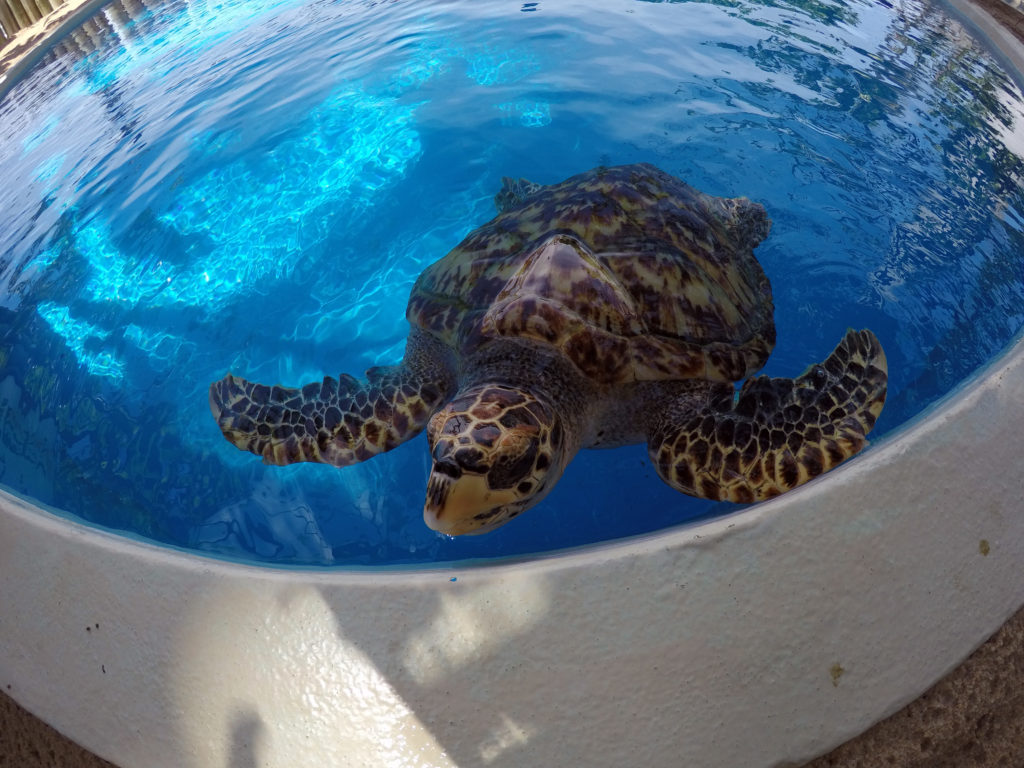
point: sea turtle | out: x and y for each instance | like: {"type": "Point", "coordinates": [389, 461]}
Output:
{"type": "Point", "coordinates": [619, 306]}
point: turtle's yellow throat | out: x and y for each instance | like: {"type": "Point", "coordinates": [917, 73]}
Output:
{"type": "Point", "coordinates": [467, 505]}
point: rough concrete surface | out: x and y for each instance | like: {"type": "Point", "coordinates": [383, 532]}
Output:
{"type": "Point", "coordinates": [26, 742]}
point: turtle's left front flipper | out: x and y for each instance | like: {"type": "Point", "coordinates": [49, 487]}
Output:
{"type": "Point", "coordinates": [337, 421]}
{"type": "Point", "coordinates": [777, 433]}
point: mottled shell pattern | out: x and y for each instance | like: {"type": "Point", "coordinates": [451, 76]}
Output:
{"type": "Point", "coordinates": [664, 287]}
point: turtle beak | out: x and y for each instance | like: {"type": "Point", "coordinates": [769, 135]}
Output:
{"type": "Point", "coordinates": [460, 503]}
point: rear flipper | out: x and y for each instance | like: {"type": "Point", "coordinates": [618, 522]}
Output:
{"type": "Point", "coordinates": [514, 193]}
{"type": "Point", "coordinates": [777, 433]}
{"type": "Point", "coordinates": [337, 421]}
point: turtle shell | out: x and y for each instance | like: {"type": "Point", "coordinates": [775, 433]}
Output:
{"type": "Point", "coordinates": [632, 274]}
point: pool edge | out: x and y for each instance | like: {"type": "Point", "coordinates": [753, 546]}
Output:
{"type": "Point", "coordinates": [896, 586]}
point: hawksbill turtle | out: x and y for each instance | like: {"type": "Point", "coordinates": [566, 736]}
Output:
{"type": "Point", "coordinates": [616, 307]}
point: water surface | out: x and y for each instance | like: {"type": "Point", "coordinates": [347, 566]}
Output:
{"type": "Point", "coordinates": [197, 187]}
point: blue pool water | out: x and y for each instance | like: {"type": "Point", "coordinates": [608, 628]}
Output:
{"type": "Point", "coordinates": [197, 187]}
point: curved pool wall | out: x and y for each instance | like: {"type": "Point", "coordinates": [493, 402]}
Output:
{"type": "Point", "coordinates": [760, 639]}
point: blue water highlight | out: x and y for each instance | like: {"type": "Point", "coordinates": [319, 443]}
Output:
{"type": "Point", "coordinates": [255, 187]}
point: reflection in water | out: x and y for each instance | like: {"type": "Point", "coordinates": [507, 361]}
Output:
{"type": "Point", "coordinates": [351, 149]}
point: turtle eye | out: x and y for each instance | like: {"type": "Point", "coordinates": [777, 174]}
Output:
{"type": "Point", "coordinates": [514, 463]}
{"type": "Point", "coordinates": [818, 375]}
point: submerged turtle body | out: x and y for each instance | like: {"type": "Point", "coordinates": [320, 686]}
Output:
{"type": "Point", "coordinates": [618, 306]}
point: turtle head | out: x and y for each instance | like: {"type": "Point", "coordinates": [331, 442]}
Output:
{"type": "Point", "coordinates": [497, 451]}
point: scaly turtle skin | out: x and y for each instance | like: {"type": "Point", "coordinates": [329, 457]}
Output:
{"type": "Point", "coordinates": [616, 307]}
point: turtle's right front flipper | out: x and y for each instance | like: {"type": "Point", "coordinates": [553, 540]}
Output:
{"type": "Point", "coordinates": [777, 433]}
{"type": "Point", "coordinates": [337, 421]}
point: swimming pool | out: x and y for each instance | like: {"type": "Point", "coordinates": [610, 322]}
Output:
{"type": "Point", "coordinates": [211, 190]}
